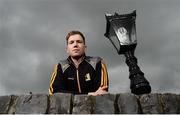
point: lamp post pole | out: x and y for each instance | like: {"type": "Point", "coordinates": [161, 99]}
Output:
{"type": "Point", "coordinates": [138, 83]}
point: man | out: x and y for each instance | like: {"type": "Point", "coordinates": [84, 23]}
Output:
{"type": "Point", "coordinates": [79, 74]}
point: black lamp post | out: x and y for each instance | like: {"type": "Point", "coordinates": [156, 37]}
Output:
{"type": "Point", "coordinates": [121, 31]}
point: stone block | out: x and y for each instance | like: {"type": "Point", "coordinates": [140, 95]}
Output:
{"type": "Point", "coordinates": [128, 103]}
{"type": "Point", "coordinates": [4, 104]}
{"type": "Point", "coordinates": [178, 105]}
{"type": "Point", "coordinates": [31, 104]}
{"type": "Point", "coordinates": [12, 107]}
{"type": "Point", "coordinates": [170, 103]}
{"type": "Point", "coordinates": [82, 104]}
{"type": "Point", "coordinates": [60, 103]}
{"type": "Point", "coordinates": [104, 104]}
{"type": "Point", "coordinates": [150, 104]}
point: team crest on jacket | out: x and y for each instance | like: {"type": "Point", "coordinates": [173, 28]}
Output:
{"type": "Point", "coordinates": [87, 77]}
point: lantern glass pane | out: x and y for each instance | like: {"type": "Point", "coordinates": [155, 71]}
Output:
{"type": "Point", "coordinates": [113, 38]}
{"type": "Point", "coordinates": [125, 31]}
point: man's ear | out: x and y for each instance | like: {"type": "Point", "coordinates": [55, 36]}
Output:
{"type": "Point", "coordinates": [85, 47]}
{"type": "Point", "coordinates": [67, 50]}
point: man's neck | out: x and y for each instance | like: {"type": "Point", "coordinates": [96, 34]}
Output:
{"type": "Point", "coordinates": [77, 60]}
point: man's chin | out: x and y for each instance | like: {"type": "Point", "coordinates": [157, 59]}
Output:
{"type": "Point", "coordinates": [77, 56]}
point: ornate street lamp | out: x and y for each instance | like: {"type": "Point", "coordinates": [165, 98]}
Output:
{"type": "Point", "coordinates": [121, 31]}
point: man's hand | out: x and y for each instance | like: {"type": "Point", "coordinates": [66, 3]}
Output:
{"type": "Point", "coordinates": [100, 91]}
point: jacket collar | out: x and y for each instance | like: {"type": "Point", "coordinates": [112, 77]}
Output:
{"type": "Point", "coordinates": [71, 61]}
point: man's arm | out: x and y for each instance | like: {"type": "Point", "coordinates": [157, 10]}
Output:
{"type": "Point", "coordinates": [57, 82]}
{"type": "Point", "coordinates": [104, 76]}
{"type": "Point", "coordinates": [101, 82]}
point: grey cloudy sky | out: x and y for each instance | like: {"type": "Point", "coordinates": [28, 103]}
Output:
{"type": "Point", "coordinates": [32, 40]}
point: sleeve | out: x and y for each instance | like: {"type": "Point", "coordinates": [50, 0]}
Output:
{"type": "Point", "coordinates": [104, 75]}
{"type": "Point", "coordinates": [101, 79]}
{"type": "Point", "coordinates": [57, 81]}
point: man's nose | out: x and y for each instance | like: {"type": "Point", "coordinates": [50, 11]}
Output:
{"type": "Point", "coordinates": [75, 44]}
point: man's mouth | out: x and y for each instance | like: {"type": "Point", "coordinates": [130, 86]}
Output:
{"type": "Point", "coordinates": [75, 50]}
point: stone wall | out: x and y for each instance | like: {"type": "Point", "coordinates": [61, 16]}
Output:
{"type": "Point", "coordinates": [110, 103]}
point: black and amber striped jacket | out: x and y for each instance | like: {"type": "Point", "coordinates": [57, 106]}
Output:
{"type": "Point", "coordinates": [88, 77]}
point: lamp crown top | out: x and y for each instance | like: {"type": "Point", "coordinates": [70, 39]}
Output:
{"type": "Point", "coordinates": [121, 16]}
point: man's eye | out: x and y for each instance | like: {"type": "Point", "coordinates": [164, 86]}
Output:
{"type": "Point", "coordinates": [79, 41]}
{"type": "Point", "coordinates": [71, 42]}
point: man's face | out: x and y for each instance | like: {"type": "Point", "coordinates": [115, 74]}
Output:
{"type": "Point", "coordinates": [76, 46]}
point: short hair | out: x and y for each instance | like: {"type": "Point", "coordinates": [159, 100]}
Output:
{"type": "Point", "coordinates": [73, 33]}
